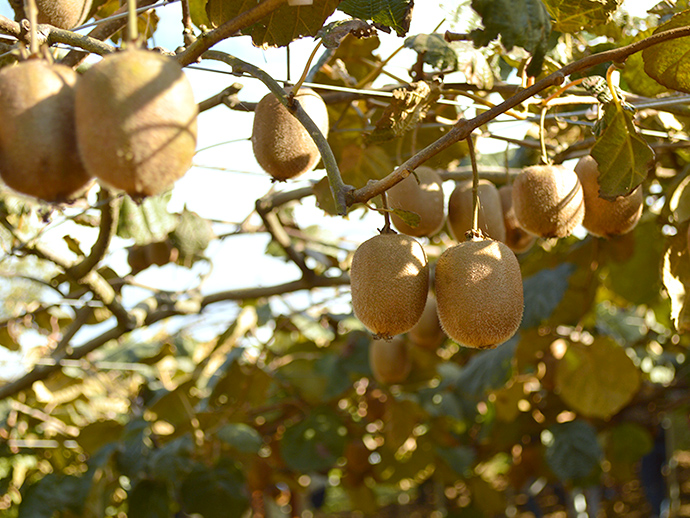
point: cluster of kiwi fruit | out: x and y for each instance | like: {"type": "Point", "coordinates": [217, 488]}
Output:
{"type": "Point", "coordinates": [281, 145]}
{"type": "Point", "coordinates": [129, 120]}
{"type": "Point", "coordinates": [478, 285]}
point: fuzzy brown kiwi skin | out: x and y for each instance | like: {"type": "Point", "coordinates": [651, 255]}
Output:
{"type": "Point", "coordinates": [490, 212]}
{"type": "Point", "coordinates": [548, 200]}
{"type": "Point", "coordinates": [65, 14]}
{"type": "Point", "coordinates": [421, 193]}
{"type": "Point", "coordinates": [389, 280]}
{"type": "Point", "coordinates": [38, 146]}
{"type": "Point", "coordinates": [604, 218]}
{"type": "Point", "coordinates": [517, 239]}
{"type": "Point", "coordinates": [136, 121]}
{"type": "Point", "coordinates": [281, 145]}
{"type": "Point", "coordinates": [390, 360]}
{"type": "Point", "coordinates": [479, 293]}
{"type": "Point", "coordinates": [427, 332]}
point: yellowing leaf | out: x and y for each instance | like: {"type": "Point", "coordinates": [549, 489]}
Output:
{"type": "Point", "coordinates": [676, 278]}
{"type": "Point", "coordinates": [668, 62]}
{"type": "Point", "coordinates": [622, 155]}
{"type": "Point", "coordinates": [597, 380]}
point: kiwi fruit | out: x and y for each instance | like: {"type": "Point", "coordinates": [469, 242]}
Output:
{"type": "Point", "coordinates": [390, 360]}
{"type": "Point", "coordinates": [490, 219]}
{"type": "Point", "coordinates": [548, 200]}
{"type": "Point", "coordinates": [517, 239]}
{"type": "Point", "coordinates": [65, 14]}
{"type": "Point", "coordinates": [281, 145]}
{"type": "Point", "coordinates": [389, 279]}
{"type": "Point", "coordinates": [427, 333]}
{"type": "Point", "coordinates": [38, 145]}
{"type": "Point", "coordinates": [421, 193]}
{"type": "Point", "coordinates": [479, 293]}
{"type": "Point", "coordinates": [604, 218]}
{"type": "Point", "coordinates": [136, 121]}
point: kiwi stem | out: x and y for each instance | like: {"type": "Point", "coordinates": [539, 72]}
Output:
{"type": "Point", "coordinates": [339, 189]}
{"type": "Point", "coordinates": [303, 77]}
{"type": "Point", "coordinates": [386, 215]}
{"type": "Point", "coordinates": [475, 185]}
{"type": "Point", "coordinates": [32, 13]}
{"type": "Point", "coordinates": [132, 28]}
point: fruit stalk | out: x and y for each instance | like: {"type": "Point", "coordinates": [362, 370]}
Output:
{"type": "Point", "coordinates": [32, 13]}
{"type": "Point", "coordinates": [475, 186]}
{"type": "Point", "coordinates": [132, 29]}
{"type": "Point", "coordinates": [339, 189]}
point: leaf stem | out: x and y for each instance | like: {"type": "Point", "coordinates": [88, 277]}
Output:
{"type": "Point", "coordinates": [542, 136]}
{"type": "Point", "coordinates": [612, 87]}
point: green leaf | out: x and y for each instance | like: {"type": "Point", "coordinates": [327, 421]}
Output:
{"type": "Point", "coordinates": [460, 459]}
{"type": "Point", "coordinates": [628, 442]}
{"type": "Point", "coordinates": [410, 218]}
{"type": "Point", "coordinates": [637, 278]}
{"type": "Point", "coordinates": [54, 493]}
{"type": "Point", "coordinates": [333, 34]}
{"type": "Point", "coordinates": [149, 499]}
{"type": "Point", "coordinates": [394, 14]}
{"type": "Point", "coordinates": [622, 155]}
{"type": "Point", "coordinates": [191, 236]}
{"type": "Point", "coordinates": [543, 292]}
{"type": "Point", "coordinates": [486, 370]}
{"type": "Point", "coordinates": [285, 24]}
{"type": "Point", "coordinates": [315, 443]}
{"type": "Point", "coordinates": [360, 164]}
{"type": "Point", "coordinates": [215, 492]}
{"type": "Point", "coordinates": [634, 76]}
{"type": "Point", "coordinates": [435, 50]}
{"type": "Point", "coordinates": [242, 437]}
{"type": "Point", "coordinates": [668, 62]}
{"type": "Point", "coordinates": [172, 462]}
{"type": "Point", "coordinates": [524, 23]}
{"type": "Point", "coordinates": [572, 451]}
{"type": "Point", "coordinates": [597, 380]}
{"type": "Point", "coordinates": [575, 15]}
{"type": "Point", "coordinates": [94, 435]}
{"type": "Point", "coordinates": [407, 108]}
{"type": "Point", "coordinates": [146, 222]}
{"type": "Point", "coordinates": [147, 22]}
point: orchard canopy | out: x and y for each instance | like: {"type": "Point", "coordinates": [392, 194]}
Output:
{"type": "Point", "coordinates": [195, 353]}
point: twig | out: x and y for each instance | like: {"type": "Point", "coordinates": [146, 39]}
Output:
{"type": "Point", "coordinates": [187, 25]}
{"type": "Point", "coordinates": [338, 188]}
{"type": "Point", "coordinates": [227, 97]}
{"type": "Point", "coordinates": [464, 128]}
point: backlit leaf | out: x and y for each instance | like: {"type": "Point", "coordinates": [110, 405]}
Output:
{"type": "Point", "coordinates": [410, 218]}
{"type": "Point", "coordinates": [573, 451]}
{"type": "Point", "coordinates": [668, 61]}
{"type": "Point", "coordinates": [622, 155]}
{"type": "Point", "coordinates": [285, 24]}
{"type": "Point", "coordinates": [575, 15]}
{"type": "Point", "coordinates": [680, 201]}
{"type": "Point", "coordinates": [597, 380]}
{"type": "Point", "coordinates": [676, 279]}
{"type": "Point", "coordinates": [197, 9]}
{"type": "Point", "coordinates": [393, 14]}
{"type": "Point", "coordinates": [146, 222]}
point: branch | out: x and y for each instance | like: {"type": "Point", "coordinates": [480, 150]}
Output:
{"type": "Point", "coordinates": [229, 28]}
{"type": "Point", "coordinates": [228, 97]}
{"type": "Point", "coordinates": [148, 313]}
{"type": "Point", "coordinates": [338, 188]}
{"type": "Point", "coordinates": [465, 127]}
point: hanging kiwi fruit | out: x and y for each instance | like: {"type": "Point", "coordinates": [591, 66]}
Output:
{"type": "Point", "coordinates": [490, 212]}
{"type": "Point", "coordinates": [136, 121]}
{"type": "Point", "coordinates": [548, 200]}
{"type": "Point", "coordinates": [38, 143]}
{"type": "Point", "coordinates": [422, 194]}
{"type": "Point", "coordinates": [281, 145]}
{"type": "Point", "coordinates": [606, 218]}
{"type": "Point", "coordinates": [65, 14]}
{"type": "Point", "coordinates": [390, 280]}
